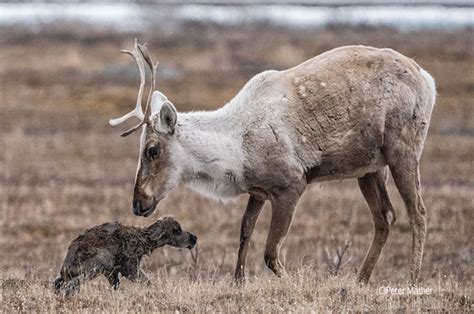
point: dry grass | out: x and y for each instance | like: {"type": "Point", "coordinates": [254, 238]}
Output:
{"type": "Point", "coordinates": [64, 169]}
{"type": "Point", "coordinates": [303, 292]}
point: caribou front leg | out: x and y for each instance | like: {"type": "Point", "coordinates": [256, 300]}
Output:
{"type": "Point", "coordinates": [254, 207]}
{"type": "Point", "coordinates": [283, 210]}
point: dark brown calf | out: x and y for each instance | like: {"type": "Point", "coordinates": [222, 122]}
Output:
{"type": "Point", "coordinates": [112, 249]}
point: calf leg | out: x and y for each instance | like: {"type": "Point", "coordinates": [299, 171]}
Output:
{"type": "Point", "coordinates": [375, 193]}
{"type": "Point", "coordinates": [58, 282]}
{"type": "Point", "coordinates": [249, 219]}
{"type": "Point", "coordinates": [67, 283]}
{"type": "Point", "coordinates": [73, 284]}
{"type": "Point", "coordinates": [72, 287]}
{"type": "Point", "coordinates": [113, 278]}
{"type": "Point", "coordinates": [133, 273]}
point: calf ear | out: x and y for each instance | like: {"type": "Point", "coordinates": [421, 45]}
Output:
{"type": "Point", "coordinates": [164, 114]}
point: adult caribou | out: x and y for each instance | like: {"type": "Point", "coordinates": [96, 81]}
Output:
{"type": "Point", "coordinates": [352, 112]}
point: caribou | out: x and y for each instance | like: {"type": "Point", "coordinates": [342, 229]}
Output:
{"type": "Point", "coordinates": [351, 112]}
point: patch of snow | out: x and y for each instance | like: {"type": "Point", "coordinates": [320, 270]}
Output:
{"type": "Point", "coordinates": [129, 16]}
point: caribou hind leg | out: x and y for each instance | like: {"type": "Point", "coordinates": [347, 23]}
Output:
{"type": "Point", "coordinates": [403, 153]}
{"type": "Point", "coordinates": [407, 180]}
{"type": "Point", "coordinates": [374, 190]}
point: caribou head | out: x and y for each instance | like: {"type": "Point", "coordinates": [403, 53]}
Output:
{"type": "Point", "coordinates": [156, 173]}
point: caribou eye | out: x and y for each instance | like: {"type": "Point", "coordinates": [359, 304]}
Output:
{"type": "Point", "coordinates": [176, 231]}
{"type": "Point", "coordinates": [152, 152]}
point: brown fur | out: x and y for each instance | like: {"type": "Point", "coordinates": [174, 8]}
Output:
{"type": "Point", "coordinates": [112, 249]}
{"type": "Point", "coordinates": [351, 112]}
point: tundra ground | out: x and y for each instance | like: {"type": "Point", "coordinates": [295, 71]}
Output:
{"type": "Point", "coordinates": [64, 169]}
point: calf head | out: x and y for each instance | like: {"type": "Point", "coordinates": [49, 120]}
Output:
{"type": "Point", "coordinates": [167, 231]}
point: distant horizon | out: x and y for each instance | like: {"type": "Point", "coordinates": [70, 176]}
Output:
{"type": "Point", "coordinates": [324, 3]}
{"type": "Point", "coordinates": [127, 16]}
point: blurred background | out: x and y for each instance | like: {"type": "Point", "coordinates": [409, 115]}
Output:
{"type": "Point", "coordinates": [64, 169]}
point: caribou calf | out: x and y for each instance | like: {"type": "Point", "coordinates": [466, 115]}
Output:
{"type": "Point", "coordinates": [112, 249]}
{"type": "Point", "coordinates": [352, 112]}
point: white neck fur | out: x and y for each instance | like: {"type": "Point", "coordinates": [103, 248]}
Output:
{"type": "Point", "coordinates": [210, 154]}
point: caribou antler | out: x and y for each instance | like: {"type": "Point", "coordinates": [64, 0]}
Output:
{"type": "Point", "coordinates": [139, 54]}
{"type": "Point", "coordinates": [146, 56]}
{"type": "Point", "coordinates": [137, 112]}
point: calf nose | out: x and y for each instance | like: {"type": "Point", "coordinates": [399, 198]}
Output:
{"type": "Point", "coordinates": [193, 239]}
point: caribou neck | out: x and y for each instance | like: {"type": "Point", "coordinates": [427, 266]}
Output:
{"type": "Point", "coordinates": [210, 152]}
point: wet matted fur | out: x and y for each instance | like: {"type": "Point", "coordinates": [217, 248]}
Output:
{"type": "Point", "coordinates": [112, 249]}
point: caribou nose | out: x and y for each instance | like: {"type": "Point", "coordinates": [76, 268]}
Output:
{"type": "Point", "coordinates": [137, 207]}
{"type": "Point", "coordinates": [141, 208]}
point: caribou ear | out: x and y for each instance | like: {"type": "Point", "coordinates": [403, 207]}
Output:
{"type": "Point", "coordinates": [164, 118]}
{"type": "Point", "coordinates": [168, 117]}
{"type": "Point", "coordinates": [164, 114]}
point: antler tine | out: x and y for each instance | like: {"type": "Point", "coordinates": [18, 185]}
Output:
{"type": "Point", "coordinates": [138, 111]}
{"type": "Point", "coordinates": [144, 51]}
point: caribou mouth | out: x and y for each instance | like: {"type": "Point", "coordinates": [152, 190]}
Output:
{"type": "Point", "coordinates": [145, 212]}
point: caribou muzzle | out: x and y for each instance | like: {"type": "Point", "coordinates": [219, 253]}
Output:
{"type": "Point", "coordinates": [144, 208]}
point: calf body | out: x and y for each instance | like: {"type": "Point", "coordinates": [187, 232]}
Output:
{"type": "Point", "coordinates": [112, 249]}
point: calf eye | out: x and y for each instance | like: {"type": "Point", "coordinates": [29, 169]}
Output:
{"type": "Point", "coordinates": [152, 152]}
{"type": "Point", "coordinates": [176, 231]}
